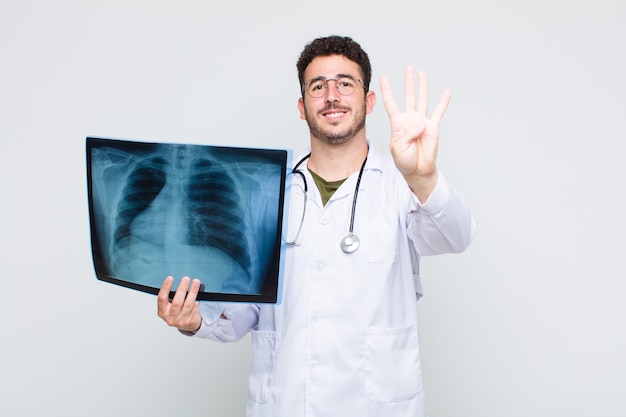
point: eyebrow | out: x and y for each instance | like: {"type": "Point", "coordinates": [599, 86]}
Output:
{"type": "Point", "coordinates": [320, 78]}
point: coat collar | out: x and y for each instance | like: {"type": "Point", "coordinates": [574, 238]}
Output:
{"type": "Point", "coordinates": [374, 163]}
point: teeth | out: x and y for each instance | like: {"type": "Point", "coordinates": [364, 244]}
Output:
{"type": "Point", "coordinates": [334, 114]}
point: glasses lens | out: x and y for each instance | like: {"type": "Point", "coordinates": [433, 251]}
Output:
{"type": "Point", "coordinates": [317, 88]}
{"type": "Point", "coordinates": [345, 85]}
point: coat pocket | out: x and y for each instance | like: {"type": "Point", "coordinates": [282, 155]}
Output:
{"type": "Point", "coordinates": [262, 369]}
{"type": "Point", "coordinates": [391, 364]}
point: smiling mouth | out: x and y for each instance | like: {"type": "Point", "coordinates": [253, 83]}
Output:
{"type": "Point", "coordinates": [334, 112]}
{"type": "Point", "coordinates": [334, 115]}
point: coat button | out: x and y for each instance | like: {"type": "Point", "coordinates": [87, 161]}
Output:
{"type": "Point", "coordinates": [319, 266]}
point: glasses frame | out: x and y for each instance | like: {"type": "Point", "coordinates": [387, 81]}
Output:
{"type": "Point", "coordinates": [305, 86]}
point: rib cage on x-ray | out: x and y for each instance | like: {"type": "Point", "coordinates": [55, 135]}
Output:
{"type": "Point", "coordinates": [142, 186]}
{"type": "Point", "coordinates": [216, 215]}
{"type": "Point", "coordinates": [212, 209]}
{"type": "Point", "coordinates": [177, 198]}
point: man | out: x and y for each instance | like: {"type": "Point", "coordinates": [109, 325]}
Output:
{"type": "Point", "coordinates": [344, 341]}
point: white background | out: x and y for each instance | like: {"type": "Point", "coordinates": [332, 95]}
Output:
{"type": "Point", "coordinates": [528, 322]}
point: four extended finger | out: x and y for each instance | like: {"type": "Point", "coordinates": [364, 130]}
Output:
{"type": "Point", "coordinates": [422, 98]}
{"type": "Point", "coordinates": [441, 107]}
{"type": "Point", "coordinates": [409, 89]}
{"type": "Point", "coordinates": [388, 100]}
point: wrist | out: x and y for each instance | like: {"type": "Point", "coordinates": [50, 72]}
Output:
{"type": "Point", "coordinates": [422, 185]}
{"type": "Point", "coordinates": [191, 332]}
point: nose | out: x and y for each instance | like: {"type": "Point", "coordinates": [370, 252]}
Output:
{"type": "Point", "coordinates": [332, 93]}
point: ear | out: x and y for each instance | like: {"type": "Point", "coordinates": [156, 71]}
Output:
{"type": "Point", "coordinates": [370, 101]}
{"type": "Point", "coordinates": [301, 108]}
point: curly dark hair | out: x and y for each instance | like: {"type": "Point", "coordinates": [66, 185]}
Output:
{"type": "Point", "coordinates": [335, 45]}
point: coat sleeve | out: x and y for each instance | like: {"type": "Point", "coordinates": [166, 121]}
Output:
{"type": "Point", "coordinates": [443, 224]}
{"type": "Point", "coordinates": [226, 322]}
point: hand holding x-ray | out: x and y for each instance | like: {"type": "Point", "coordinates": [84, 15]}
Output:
{"type": "Point", "coordinates": [182, 310]}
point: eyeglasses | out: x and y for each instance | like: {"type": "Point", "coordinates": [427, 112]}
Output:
{"type": "Point", "coordinates": [346, 85]}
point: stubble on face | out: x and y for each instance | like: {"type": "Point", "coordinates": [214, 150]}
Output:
{"type": "Point", "coordinates": [333, 135]}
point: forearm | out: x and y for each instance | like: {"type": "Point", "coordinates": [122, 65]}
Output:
{"type": "Point", "coordinates": [443, 223]}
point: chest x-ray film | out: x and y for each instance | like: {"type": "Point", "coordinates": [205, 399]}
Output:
{"type": "Point", "coordinates": [207, 212]}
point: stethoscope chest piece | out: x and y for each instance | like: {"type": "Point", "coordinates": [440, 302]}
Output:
{"type": "Point", "coordinates": [350, 243]}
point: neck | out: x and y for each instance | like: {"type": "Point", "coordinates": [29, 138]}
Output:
{"type": "Point", "coordinates": [335, 162]}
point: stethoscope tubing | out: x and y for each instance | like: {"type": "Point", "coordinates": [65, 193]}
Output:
{"type": "Point", "coordinates": [351, 242]}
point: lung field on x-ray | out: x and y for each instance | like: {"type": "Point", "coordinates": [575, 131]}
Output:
{"type": "Point", "coordinates": [184, 210]}
{"type": "Point", "coordinates": [142, 187]}
{"type": "Point", "coordinates": [216, 214]}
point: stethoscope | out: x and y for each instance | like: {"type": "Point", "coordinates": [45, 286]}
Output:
{"type": "Point", "coordinates": [351, 242]}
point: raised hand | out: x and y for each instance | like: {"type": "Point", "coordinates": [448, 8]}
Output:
{"type": "Point", "coordinates": [415, 137]}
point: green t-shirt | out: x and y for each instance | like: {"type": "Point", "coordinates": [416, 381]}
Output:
{"type": "Point", "coordinates": [327, 188]}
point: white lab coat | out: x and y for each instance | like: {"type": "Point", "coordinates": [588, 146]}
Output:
{"type": "Point", "coordinates": [344, 341]}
